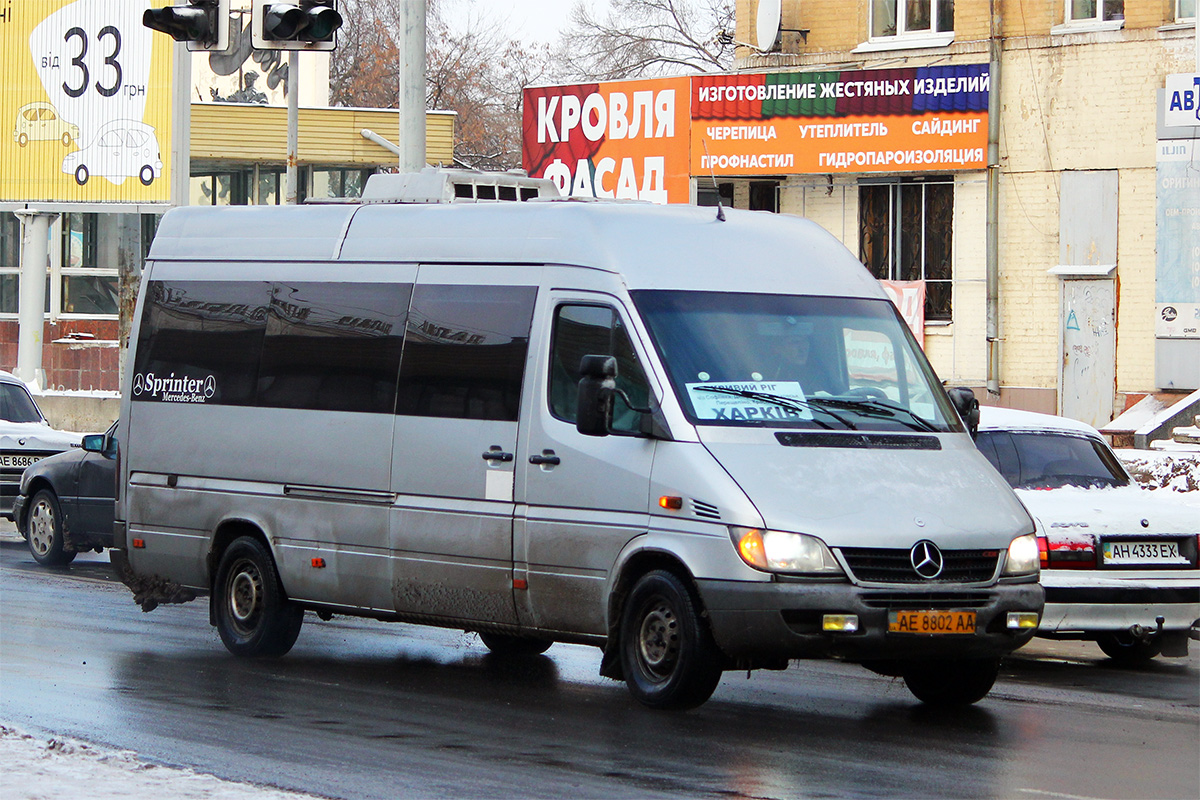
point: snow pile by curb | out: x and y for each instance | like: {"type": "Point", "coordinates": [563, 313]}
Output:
{"type": "Point", "coordinates": [1157, 469]}
{"type": "Point", "coordinates": [66, 769]}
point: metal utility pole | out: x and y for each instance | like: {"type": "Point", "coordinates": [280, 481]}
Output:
{"type": "Point", "coordinates": [35, 234]}
{"type": "Point", "coordinates": [291, 193]}
{"type": "Point", "coordinates": [992, 229]}
{"type": "Point", "coordinates": [412, 87]}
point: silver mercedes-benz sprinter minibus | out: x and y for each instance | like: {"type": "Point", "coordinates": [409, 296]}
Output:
{"type": "Point", "coordinates": [700, 440]}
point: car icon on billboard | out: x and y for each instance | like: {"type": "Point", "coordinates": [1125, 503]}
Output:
{"type": "Point", "coordinates": [121, 149]}
{"type": "Point", "coordinates": [40, 121]}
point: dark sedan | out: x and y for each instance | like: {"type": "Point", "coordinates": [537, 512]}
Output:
{"type": "Point", "coordinates": [65, 505]}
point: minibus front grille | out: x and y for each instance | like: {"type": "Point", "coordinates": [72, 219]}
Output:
{"type": "Point", "coordinates": [888, 565]}
{"type": "Point", "coordinates": [932, 600]}
{"type": "Point", "coordinates": [706, 510]}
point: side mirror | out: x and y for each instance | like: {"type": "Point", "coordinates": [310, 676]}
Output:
{"type": "Point", "coordinates": [597, 388]}
{"type": "Point", "coordinates": [94, 443]}
{"type": "Point", "coordinates": [967, 407]}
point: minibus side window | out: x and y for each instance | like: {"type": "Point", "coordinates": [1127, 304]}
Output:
{"type": "Point", "coordinates": [200, 342]}
{"type": "Point", "coordinates": [581, 330]}
{"type": "Point", "coordinates": [333, 346]}
{"type": "Point", "coordinates": [464, 351]}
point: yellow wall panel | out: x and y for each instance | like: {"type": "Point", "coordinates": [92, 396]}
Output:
{"type": "Point", "coordinates": [251, 133]}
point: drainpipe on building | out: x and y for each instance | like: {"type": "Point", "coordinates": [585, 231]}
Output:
{"type": "Point", "coordinates": [35, 256]}
{"type": "Point", "coordinates": [992, 234]}
{"type": "Point", "coordinates": [412, 86]}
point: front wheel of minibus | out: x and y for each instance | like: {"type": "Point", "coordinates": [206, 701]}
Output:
{"type": "Point", "coordinates": [953, 682]}
{"type": "Point", "coordinates": [253, 615]}
{"type": "Point", "coordinates": [667, 651]}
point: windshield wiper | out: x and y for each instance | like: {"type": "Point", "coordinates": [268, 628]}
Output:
{"type": "Point", "coordinates": [783, 402]}
{"type": "Point", "coordinates": [878, 408]}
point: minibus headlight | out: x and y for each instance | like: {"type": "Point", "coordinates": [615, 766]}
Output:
{"type": "Point", "coordinates": [1023, 558]}
{"type": "Point", "coordinates": [780, 551]}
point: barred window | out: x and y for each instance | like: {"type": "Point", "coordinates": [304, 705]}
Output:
{"type": "Point", "coordinates": [906, 233]}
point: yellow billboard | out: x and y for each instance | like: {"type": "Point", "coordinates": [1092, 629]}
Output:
{"type": "Point", "coordinates": [85, 105]}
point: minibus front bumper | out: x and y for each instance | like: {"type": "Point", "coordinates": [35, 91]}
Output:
{"type": "Point", "coordinates": [770, 621]}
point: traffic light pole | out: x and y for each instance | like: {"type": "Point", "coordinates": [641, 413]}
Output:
{"type": "Point", "coordinates": [291, 196]}
{"type": "Point", "coordinates": [412, 87]}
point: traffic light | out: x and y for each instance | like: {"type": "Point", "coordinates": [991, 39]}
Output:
{"type": "Point", "coordinates": [203, 24]}
{"type": "Point", "coordinates": [294, 25]}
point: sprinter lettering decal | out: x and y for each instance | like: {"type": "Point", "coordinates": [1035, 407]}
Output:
{"type": "Point", "coordinates": [172, 389]}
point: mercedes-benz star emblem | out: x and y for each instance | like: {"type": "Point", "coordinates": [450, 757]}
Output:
{"type": "Point", "coordinates": [926, 559]}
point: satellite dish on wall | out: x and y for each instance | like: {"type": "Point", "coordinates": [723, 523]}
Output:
{"type": "Point", "coordinates": [767, 24]}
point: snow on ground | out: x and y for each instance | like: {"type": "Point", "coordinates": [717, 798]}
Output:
{"type": "Point", "coordinates": [65, 769]}
{"type": "Point", "coordinates": [1159, 469]}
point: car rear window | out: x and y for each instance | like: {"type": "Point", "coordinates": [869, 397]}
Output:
{"type": "Point", "coordinates": [1029, 460]}
{"type": "Point", "coordinates": [16, 405]}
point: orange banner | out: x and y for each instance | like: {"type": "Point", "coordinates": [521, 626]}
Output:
{"type": "Point", "coordinates": [846, 144]}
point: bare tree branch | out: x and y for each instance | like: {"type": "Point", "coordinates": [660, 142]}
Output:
{"type": "Point", "coordinates": [476, 71]}
{"type": "Point", "coordinates": [640, 38]}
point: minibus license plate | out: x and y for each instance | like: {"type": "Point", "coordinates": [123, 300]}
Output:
{"type": "Point", "coordinates": [932, 622]}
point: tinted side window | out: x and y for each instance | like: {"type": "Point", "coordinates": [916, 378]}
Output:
{"type": "Point", "coordinates": [997, 447]}
{"type": "Point", "coordinates": [333, 346]}
{"type": "Point", "coordinates": [200, 342]}
{"type": "Point", "coordinates": [464, 351]}
{"type": "Point", "coordinates": [581, 330]}
{"type": "Point", "coordinates": [986, 445]}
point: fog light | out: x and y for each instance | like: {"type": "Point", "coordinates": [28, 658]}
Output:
{"type": "Point", "coordinates": [1022, 620]}
{"type": "Point", "coordinates": [845, 623]}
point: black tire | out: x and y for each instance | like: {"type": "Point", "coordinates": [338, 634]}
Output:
{"type": "Point", "coordinates": [667, 651]}
{"type": "Point", "coordinates": [146, 175]}
{"type": "Point", "coordinates": [951, 683]}
{"type": "Point", "coordinates": [254, 616]}
{"type": "Point", "coordinates": [1128, 651]}
{"type": "Point", "coordinates": [81, 174]}
{"type": "Point", "coordinates": [504, 645]}
{"type": "Point", "coordinates": [44, 531]}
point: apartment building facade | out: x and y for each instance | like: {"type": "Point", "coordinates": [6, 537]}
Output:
{"type": "Point", "coordinates": [1091, 197]}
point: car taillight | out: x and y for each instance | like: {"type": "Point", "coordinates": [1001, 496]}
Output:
{"type": "Point", "coordinates": [1076, 552]}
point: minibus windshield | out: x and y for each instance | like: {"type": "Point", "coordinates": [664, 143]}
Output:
{"type": "Point", "coordinates": [824, 363]}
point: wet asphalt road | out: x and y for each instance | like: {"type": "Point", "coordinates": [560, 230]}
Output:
{"type": "Point", "coordinates": [362, 709]}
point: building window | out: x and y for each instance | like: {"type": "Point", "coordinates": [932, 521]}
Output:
{"type": "Point", "coordinates": [905, 234]}
{"type": "Point", "coordinates": [88, 287]}
{"type": "Point", "coordinates": [1185, 9]}
{"type": "Point", "coordinates": [338, 182]}
{"type": "Point", "coordinates": [1098, 10]}
{"type": "Point", "coordinates": [911, 17]}
{"type": "Point", "coordinates": [10, 262]}
{"type": "Point", "coordinates": [221, 189]}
